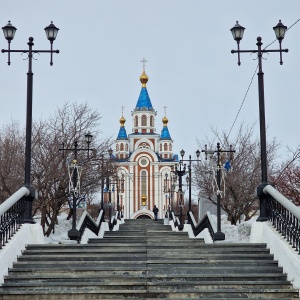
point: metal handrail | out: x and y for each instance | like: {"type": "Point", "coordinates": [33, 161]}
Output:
{"type": "Point", "coordinates": [284, 215]}
{"type": "Point", "coordinates": [11, 211]}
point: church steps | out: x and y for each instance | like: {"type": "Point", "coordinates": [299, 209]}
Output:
{"type": "Point", "coordinates": [148, 265]}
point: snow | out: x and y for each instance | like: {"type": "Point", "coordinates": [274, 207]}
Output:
{"type": "Point", "coordinates": [60, 230]}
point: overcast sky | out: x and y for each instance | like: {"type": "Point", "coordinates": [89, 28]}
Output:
{"type": "Point", "coordinates": [191, 70]}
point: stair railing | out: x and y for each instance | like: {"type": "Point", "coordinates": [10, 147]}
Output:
{"type": "Point", "coordinates": [284, 216]}
{"type": "Point", "coordinates": [11, 211]}
{"type": "Point", "coordinates": [113, 221]}
{"type": "Point", "coordinates": [86, 221]}
{"type": "Point", "coordinates": [176, 221]}
{"type": "Point", "coordinates": [205, 222]}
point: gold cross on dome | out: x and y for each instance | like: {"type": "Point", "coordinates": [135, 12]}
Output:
{"type": "Point", "coordinates": [122, 107]}
{"type": "Point", "coordinates": [143, 61]}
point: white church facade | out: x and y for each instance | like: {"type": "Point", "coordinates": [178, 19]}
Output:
{"type": "Point", "coordinates": [144, 160]}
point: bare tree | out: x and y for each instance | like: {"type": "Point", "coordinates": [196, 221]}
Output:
{"type": "Point", "coordinates": [11, 160]}
{"type": "Point", "coordinates": [287, 180]}
{"type": "Point", "coordinates": [241, 179]}
{"type": "Point", "coordinates": [69, 123]}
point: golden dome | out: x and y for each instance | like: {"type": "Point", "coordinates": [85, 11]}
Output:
{"type": "Point", "coordinates": [122, 121]}
{"type": "Point", "coordinates": [165, 120]}
{"type": "Point", "coordinates": [144, 79]}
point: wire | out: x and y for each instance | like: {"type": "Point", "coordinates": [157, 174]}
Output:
{"type": "Point", "coordinates": [251, 84]}
{"type": "Point", "coordinates": [242, 102]}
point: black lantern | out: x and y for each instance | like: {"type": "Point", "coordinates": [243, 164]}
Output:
{"type": "Point", "coordinates": [280, 30]}
{"type": "Point", "coordinates": [88, 138]}
{"type": "Point", "coordinates": [51, 32]}
{"type": "Point", "coordinates": [9, 31]}
{"type": "Point", "coordinates": [237, 31]}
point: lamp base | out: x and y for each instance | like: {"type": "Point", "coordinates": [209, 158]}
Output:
{"type": "Point", "coordinates": [73, 234]}
{"type": "Point", "coordinates": [219, 236]}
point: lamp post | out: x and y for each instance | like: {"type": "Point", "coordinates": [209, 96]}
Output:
{"type": "Point", "coordinates": [168, 193]}
{"type": "Point", "coordinates": [110, 152]}
{"type": "Point", "coordinates": [181, 171]}
{"type": "Point", "coordinates": [237, 33]}
{"type": "Point", "coordinates": [73, 233]}
{"type": "Point", "coordinates": [9, 32]}
{"type": "Point", "coordinates": [189, 181]}
{"type": "Point", "coordinates": [119, 182]}
{"type": "Point", "coordinates": [219, 235]}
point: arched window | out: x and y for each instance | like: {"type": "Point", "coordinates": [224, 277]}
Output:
{"type": "Point", "coordinates": [165, 147]}
{"type": "Point", "coordinates": [136, 121]}
{"type": "Point", "coordinates": [126, 147]}
{"type": "Point", "coordinates": [160, 147]}
{"type": "Point", "coordinates": [143, 182]}
{"type": "Point", "coordinates": [170, 147]}
{"type": "Point", "coordinates": [151, 121]}
{"type": "Point", "coordinates": [122, 147]}
{"type": "Point", "coordinates": [117, 147]}
{"type": "Point", "coordinates": [144, 120]}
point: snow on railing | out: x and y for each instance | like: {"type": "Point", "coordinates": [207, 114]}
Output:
{"type": "Point", "coordinates": [205, 222]}
{"type": "Point", "coordinates": [284, 215]}
{"type": "Point", "coordinates": [11, 211]}
{"type": "Point", "coordinates": [86, 221]}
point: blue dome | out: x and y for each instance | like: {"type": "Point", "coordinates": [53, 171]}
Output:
{"type": "Point", "coordinates": [165, 135]}
{"type": "Point", "coordinates": [122, 134]}
{"type": "Point", "coordinates": [144, 101]}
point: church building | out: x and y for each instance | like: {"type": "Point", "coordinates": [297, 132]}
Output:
{"type": "Point", "coordinates": [144, 161]}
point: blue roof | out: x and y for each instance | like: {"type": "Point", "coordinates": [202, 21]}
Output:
{"type": "Point", "coordinates": [144, 100]}
{"type": "Point", "coordinates": [165, 135]}
{"type": "Point", "coordinates": [122, 134]}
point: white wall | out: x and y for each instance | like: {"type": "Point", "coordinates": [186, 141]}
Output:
{"type": "Point", "coordinates": [288, 258]}
{"type": "Point", "coordinates": [27, 234]}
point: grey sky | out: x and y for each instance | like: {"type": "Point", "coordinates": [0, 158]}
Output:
{"type": "Point", "coordinates": [187, 45]}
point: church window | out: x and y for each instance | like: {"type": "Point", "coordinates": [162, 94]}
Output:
{"type": "Point", "coordinates": [170, 147]}
{"type": "Point", "coordinates": [165, 147]}
{"type": "Point", "coordinates": [151, 121]}
{"type": "Point", "coordinates": [126, 147]}
{"type": "Point", "coordinates": [144, 182]}
{"type": "Point", "coordinates": [117, 147]}
{"type": "Point", "coordinates": [160, 148]}
{"type": "Point", "coordinates": [136, 121]}
{"type": "Point", "coordinates": [144, 120]}
{"type": "Point", "coordinates": [122, 147]}
{"type": "Point", "coordinates": [143, 162]}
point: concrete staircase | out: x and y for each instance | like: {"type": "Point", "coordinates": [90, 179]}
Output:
{"type": "Point", "coordinates": [146, 260]}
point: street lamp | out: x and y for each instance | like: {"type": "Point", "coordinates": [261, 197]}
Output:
{"type": "Point", "coordinates": [119, 183]}
{"type": "Point", "coordinates": [189, 178]}
{"type": "Point", "coordinates": [219, 235]}
{"type": "Point", "coordinates": [167, 190]}
{"type": "Point", "coordinates": [181, 171]}
{"type": "Point", "coordinates": [74, 186]}
{"type": "Point", "coordinates": [110, 152]}
{"type": "Point", "coordinates": [9, 32]}
{"type": "Point", "coordinates": [237, 33]}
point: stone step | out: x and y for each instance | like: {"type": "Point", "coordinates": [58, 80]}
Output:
{"type": "Point", "coordinates": [150, 258]}
{"type": "Point", "coordinates": [151, 292]}
{"type": "Point", "coordinates": [142, 283]}
{"type": "Point", "coordinates": [110, 276]}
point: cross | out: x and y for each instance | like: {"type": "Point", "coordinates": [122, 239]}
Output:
{"type": "Point", "coordinates": [144, 63]}
{"type": "Point", "coordinates": [122, 109]}
{"type": "Point", "coordinates": [165, 109]}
